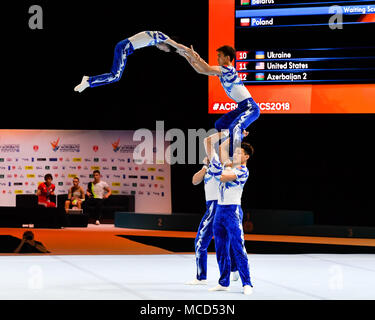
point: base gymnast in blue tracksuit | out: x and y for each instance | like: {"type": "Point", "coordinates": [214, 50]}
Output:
{"type": "Point", "coordinates": [205, 230]}
{"type": "Point", "coordinates": [227, 227]}
{"type": "Point", "coordinates": [123, 50]}
{"type": "Point", "coordinates": [235, 121]}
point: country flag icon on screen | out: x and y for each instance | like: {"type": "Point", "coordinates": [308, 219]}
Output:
{"type": "Point", "coordinates": [245, 22]}
{"type": "Point", "coordinates": [245, 2]}
{"type": "Point", "coordinates": [259, 76]}
{"type": "Point", "coordinates": [259, 54]}
{"type": "Point", "coordinates": [259, 65]}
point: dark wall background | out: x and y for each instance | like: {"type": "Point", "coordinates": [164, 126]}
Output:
{"type": "Point", "coordinates": [322, 163]}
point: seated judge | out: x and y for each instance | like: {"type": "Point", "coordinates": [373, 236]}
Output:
{"type": "Point", "coordinates": [45, 190]}
{"type": "Point", "coordinates": [76, 196]}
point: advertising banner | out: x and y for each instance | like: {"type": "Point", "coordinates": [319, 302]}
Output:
{"type": "Point", "coordinates": [27, 155]}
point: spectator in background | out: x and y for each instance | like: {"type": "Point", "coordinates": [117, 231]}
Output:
{"type": "Point", "coordinates": [76, 195]}
{"type": "Point", "coordinates": [45, 190]}
{"type": "Point", "coordinates": [248, 226]}
{"type": "Point", "coordinates": [29, 245]}
{"type": "Point", "coordinates": [97, 192]}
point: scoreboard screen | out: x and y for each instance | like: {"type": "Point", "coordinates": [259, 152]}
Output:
{"type": "Point", "coordinates": [297, 56]}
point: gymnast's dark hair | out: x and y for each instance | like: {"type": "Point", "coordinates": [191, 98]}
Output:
{"type": "Point", "coordinates": [228, 51]}
{"type": "Point", "coordinates": [248, 148]}
{"type": "Point", "coordinates": [48, 175]}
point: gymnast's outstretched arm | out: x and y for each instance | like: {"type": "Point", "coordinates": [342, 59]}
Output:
{"type": "Point", "coordinates": [199, 64]}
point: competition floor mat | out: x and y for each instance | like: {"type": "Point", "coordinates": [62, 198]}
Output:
{"type": "Point", "coordinates": [108, 263]}
{"type": "Point", "coordinates": [107, 239]}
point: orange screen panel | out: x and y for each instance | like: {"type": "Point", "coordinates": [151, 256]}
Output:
{"type": "Point", "coordinates": [346, 92]}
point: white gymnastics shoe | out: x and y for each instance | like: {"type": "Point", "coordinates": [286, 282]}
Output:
{"type": "Point", "coordinates": [219, 288]}
{"type": "Point", "coordinates": [83, 85]}
{"type": "Point", "coordinates": [197, 282]}
{"type": "Point", "coordinates": [248, 290]}
{"type": "Point", "coordinates": [235, 275]}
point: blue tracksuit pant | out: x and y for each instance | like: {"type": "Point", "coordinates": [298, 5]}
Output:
{"type": "Point", "coordinates": [238, 120]}
{"type": "Point", "coordinates": [122, 50]}
{"type": "Point", "coordinates": [203, 239]}
{"type": "Point", "coordinates": [228, 232]}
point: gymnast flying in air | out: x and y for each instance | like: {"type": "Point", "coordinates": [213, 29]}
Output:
{"type": "Point", "coordinates": [125, 48]}
{"type": "Point", "coordinates": [235, 121]}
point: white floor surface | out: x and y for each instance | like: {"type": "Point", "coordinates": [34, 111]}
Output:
{"type": "Point", "coordinates": [162, 277]}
